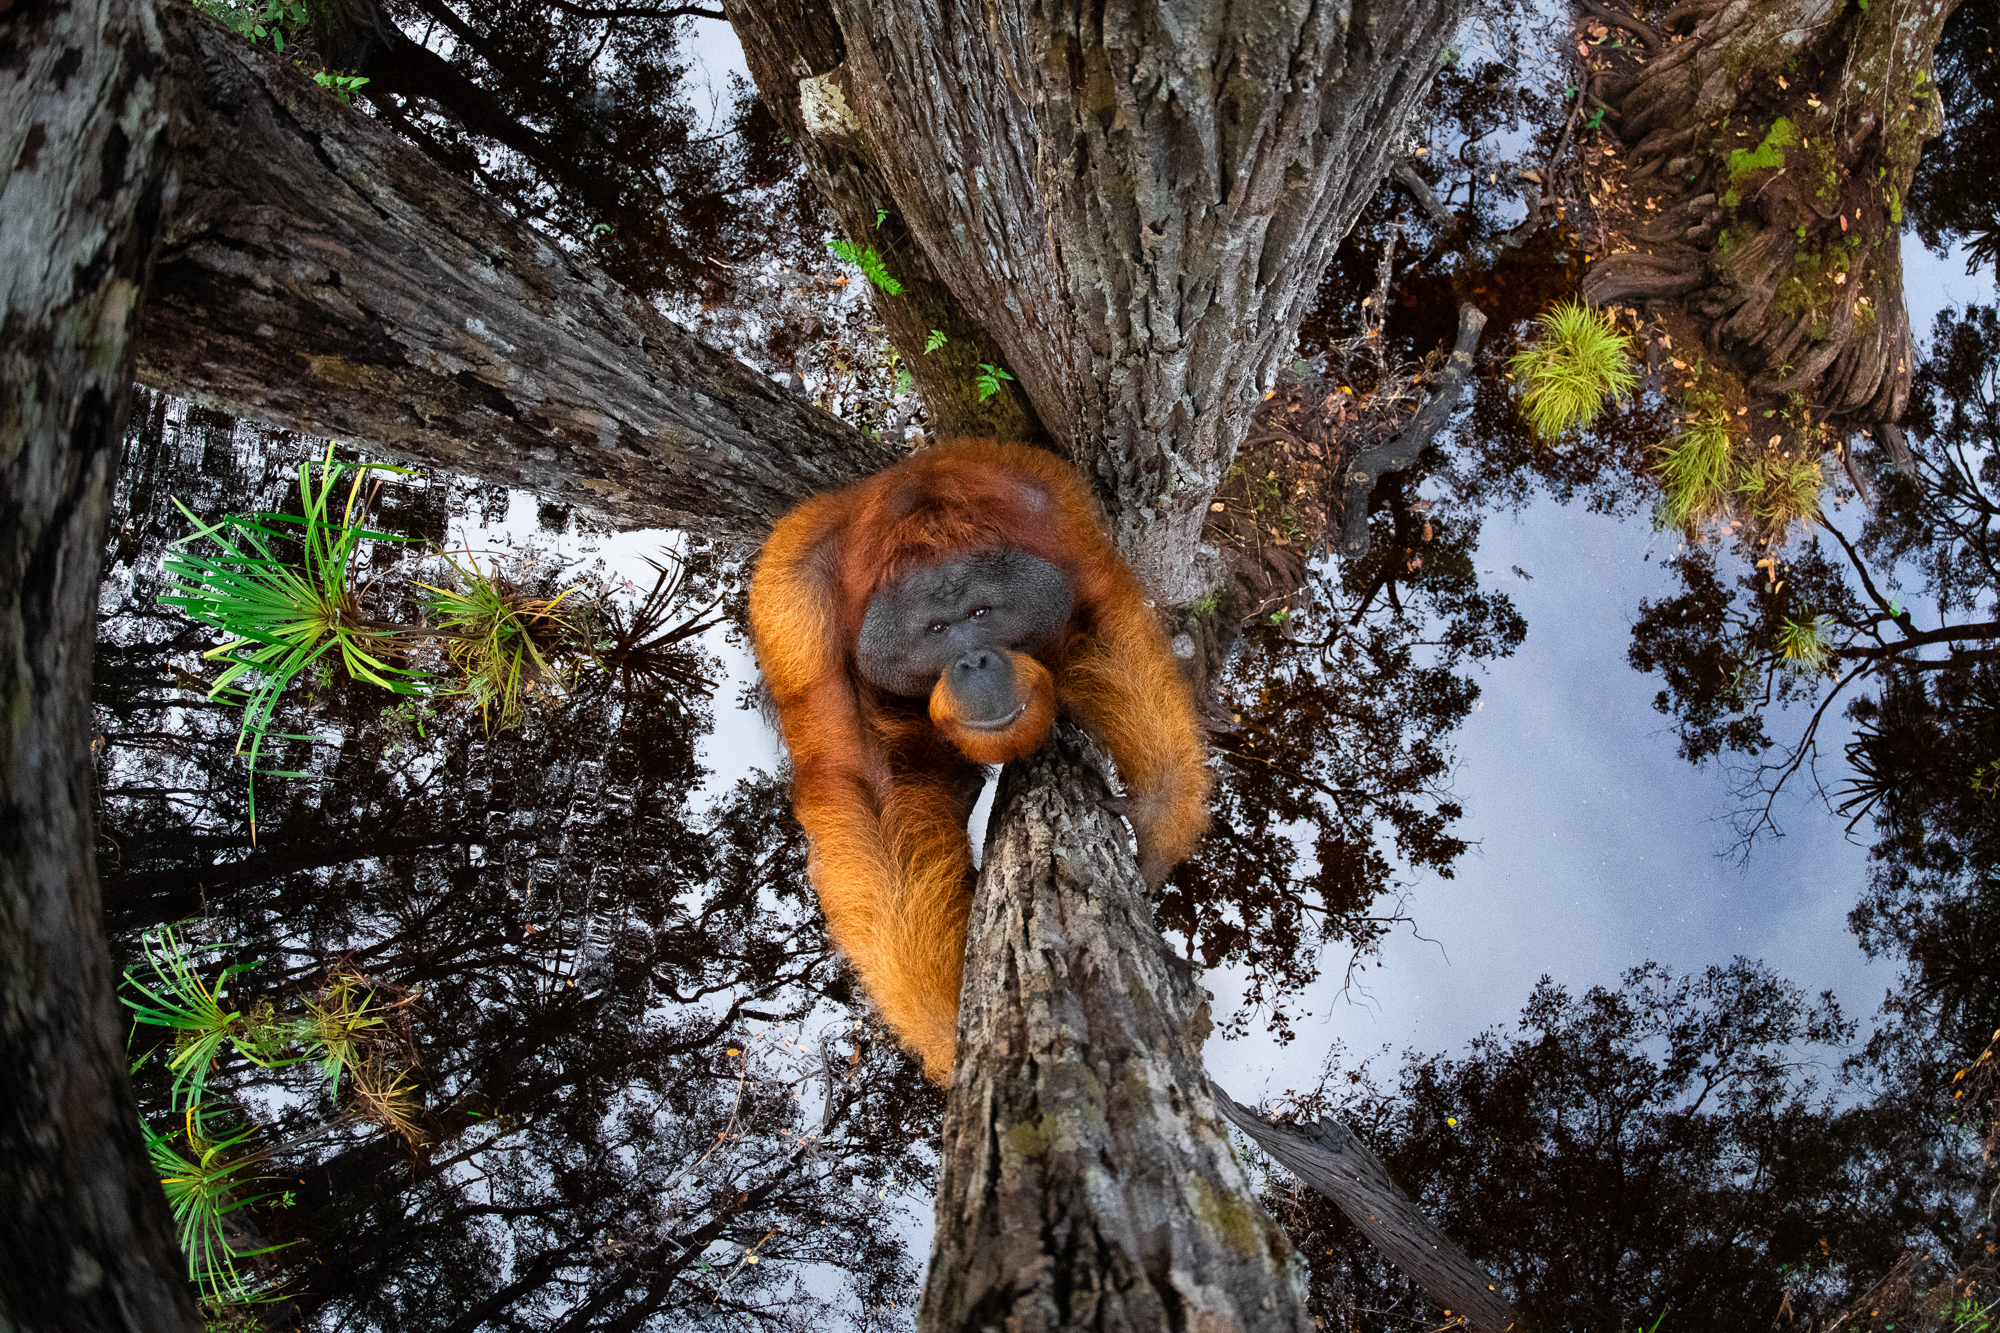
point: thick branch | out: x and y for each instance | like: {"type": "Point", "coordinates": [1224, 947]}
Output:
{"type": "Point", "coordinates": [1340, 1166]}
{"type": "Point", "coordinates": [322, 275]}
{"type": "Point", "coordinates": [1420, 190]}
{"type": "Point", "coordinates": [1400, 453]}
{"type": "Point", "coordinates": [1088, 1181]}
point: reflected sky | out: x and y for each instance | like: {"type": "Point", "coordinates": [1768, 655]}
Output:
{"type": "Point", "coordinates": [1598, 848]}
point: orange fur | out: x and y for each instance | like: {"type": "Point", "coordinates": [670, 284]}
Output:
{"type": "Point", "coordinates": [883, 785]}
{"type": "Point", "coordinates": [1017, 740]}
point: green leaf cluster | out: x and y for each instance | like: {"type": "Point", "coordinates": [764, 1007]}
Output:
{"type": "Point", "coordinates": [207, 1173]}
{"type": "Point", "coordinates": [281, 617]}
{"type": "Point", "coordinates": [990, 377]}
{"type": "Point", "coordinates": [864, 258]}
{"type": "Point", "coordinates": [1694, 469]}
{"type": "Point", "coordinates": [1576, 363]}
{"type": "Point", "coordinates": [257, 20]}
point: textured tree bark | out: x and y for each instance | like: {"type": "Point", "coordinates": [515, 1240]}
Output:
{"type": "Point", "coordinates": [1088, 1181]}
{"type": "Point", "coordinates": [785, 40]}
{"type": "Point", "coordinates": [1332, 1161]}
{"type": "Point", "coordinates": [324, 276]}
{"type": "Point", "coordinates": [84, 180]}
{"type": "Point", "coordinates": [1774, 144]}
{"type": "Point", "coordinates": [1136, 201]}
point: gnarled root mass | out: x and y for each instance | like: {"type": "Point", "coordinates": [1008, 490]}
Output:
{"type": "Point", "coordinates": [1753, 195]}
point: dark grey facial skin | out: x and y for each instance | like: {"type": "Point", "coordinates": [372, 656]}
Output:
{"type": "Point", "coordinates": [960, 615]}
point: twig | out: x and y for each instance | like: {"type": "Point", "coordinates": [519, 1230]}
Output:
{"type": "Point", "coordinates": [1406, 176]}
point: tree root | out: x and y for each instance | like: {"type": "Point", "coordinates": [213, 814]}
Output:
{"type": "Point", "coordinates": [1646, 34]}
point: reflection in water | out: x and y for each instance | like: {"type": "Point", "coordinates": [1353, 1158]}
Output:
{"type": "Point", "coordinates": [630, 1045]}
{"type": "Point", "coordinates": [1660, 1147]}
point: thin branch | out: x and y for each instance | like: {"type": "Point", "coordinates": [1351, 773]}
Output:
{"type": "Point", "coordinates": [1800, 753]}
{"type": "Point", "coordinates": [639, 11]}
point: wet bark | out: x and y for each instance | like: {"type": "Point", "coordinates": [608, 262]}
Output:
{"type": "Point", "coordinates": [84, 179]}
{"type": "Point", "coordinates": [1136, 204]}
{"type": "Point", "coordinates": [1769, 147]}
{"type": "Point", "coordinates": [1088, 1180]}
{"type": "Point", "coordinates": [1327, 1157]}
{"type": "Point", "coordinates": [324, 276]}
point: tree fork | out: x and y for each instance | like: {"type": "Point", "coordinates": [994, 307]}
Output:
{"type": "Point", "coordinates": [1138, 237]}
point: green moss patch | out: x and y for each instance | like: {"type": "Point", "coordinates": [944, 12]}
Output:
{"type": "Point", "coordinates": [1767, 156]}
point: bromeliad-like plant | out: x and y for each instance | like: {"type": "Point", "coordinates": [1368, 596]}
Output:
{"type": "Point", "coordinates": [192, 1009]}
{"type": "Point", "coordinates": [202, 1189]}
{"type": "Point", "coordinates": [281, 616]}
{"type": "Point", "coordinates": [1577, 362]}
{"type": "Point", "coordinates": [343, 1031]}
{"type": "Point", "coordinates": [1802, 643]}
{"type": "Point", "coordinates": [1783, 491]}
{"type": "Point", "coordinates": [497, 638]}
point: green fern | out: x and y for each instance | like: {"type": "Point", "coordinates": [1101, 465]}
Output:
{"type": "Point", "coordinates": [990, 376]}
{"type": "Point", "coordinates": [864, 258]}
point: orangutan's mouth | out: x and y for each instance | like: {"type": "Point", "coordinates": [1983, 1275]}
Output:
{"type": "Point", "coordinates": [997, 724]}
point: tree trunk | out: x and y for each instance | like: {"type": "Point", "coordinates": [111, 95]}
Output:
{"type": "Point", "coordinates": [324, 276]}
{"type": "Point", "coordinates": [1135, 205]}
{"type": "Point", "coordinates": [1770, 148]}
{"type": "Point", "coordinates": [84, 181]}
{"type": "Point", "coordinates": [1136, 202]}
{"type": "Point", "coordinates": [1088, 1181]}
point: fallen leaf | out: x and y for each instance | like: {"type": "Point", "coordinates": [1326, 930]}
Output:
{"type": "Point", "coordinates": [1840, 279]}
{"type": "Point", "coordinates": [1843, 222]}
{"type": "Point", "coordinates": [1775, 439]}
{"type": "Point", "coordinates": [1217, 507]}
{"type": "Point", "coordinates": [1782, 83]}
